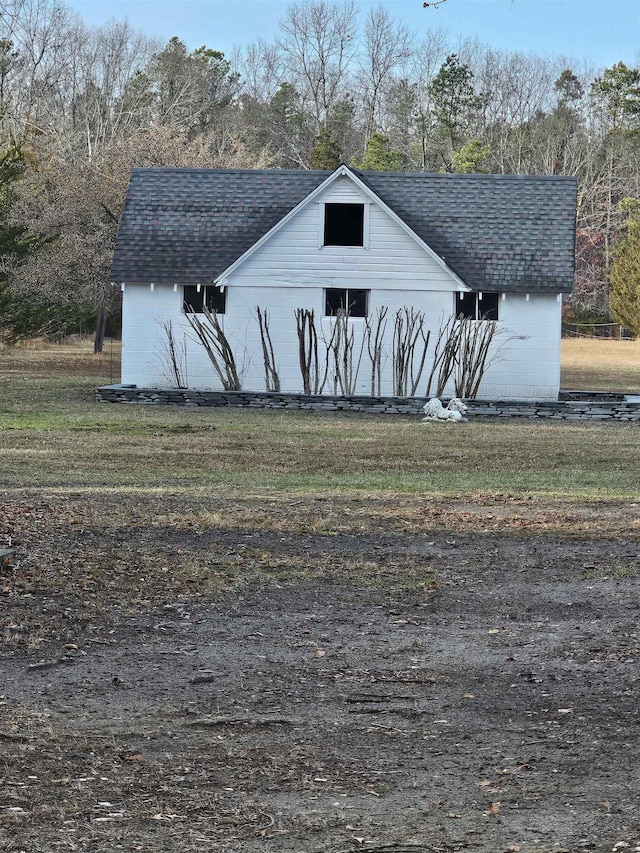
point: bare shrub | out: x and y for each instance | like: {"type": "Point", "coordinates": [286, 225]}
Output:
{"type": "Point", "coordinates": [210, 335]}
{"type": "Point", "coordinates": [271, 378]}
{"type": "Point", "coordinates": [172, 357]}
{"type": "Point", "coordinates": [444, 356]}
{"type": "Point", "coordinates": [374, 335]}
{"type": "Point", "coordinates": [308, 350]}
{"type": "Point", "coordinates": [343, 355]}
{"type": "Point", "coordinates": [473, 359]}
{"type": "Point", "coordinates": [465, 350]}
{"type": "Point", "coordinates": [410, 343]}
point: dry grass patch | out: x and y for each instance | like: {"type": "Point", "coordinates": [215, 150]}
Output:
{"type": "Point", "coordinates": [595, 364]}
{"type": "Point", "coordinates": [42, 358]}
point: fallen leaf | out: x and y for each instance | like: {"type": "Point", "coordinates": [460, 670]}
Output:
{"type": "Point", "coordinates": [318, 653]}
{"type": "Point", "coordinates": [132, 756]}
{"type": "Point", "coordinates": [494, 808]}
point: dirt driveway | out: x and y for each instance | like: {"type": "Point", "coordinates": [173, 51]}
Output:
{"type": "Point", "coordinates": [341, 676]}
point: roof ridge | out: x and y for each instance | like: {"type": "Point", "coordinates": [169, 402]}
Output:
{"type": "Point", "coordinates": [364, 174]}
{"type": "Point", "coordinates": [227, 171]}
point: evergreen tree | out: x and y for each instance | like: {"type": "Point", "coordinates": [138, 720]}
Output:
{"type": "Point", "coordinates": [455, 102]}
{"type": "Point", "coordinates": [380, 156]}
{"type": "Point", "coordinates": [617, 94]}
{"type": "Point", "coordinates": [15, 242]}
{"type": "Point", "coordinates": [191, 89]}
{"type": "Point", "coordinates": [625, 274]}
{"type": "Point", "coordinates": [326, 153]}
{"type": "Point", "coordinates": [472, 157]}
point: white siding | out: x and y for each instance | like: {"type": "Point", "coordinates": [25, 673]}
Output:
{"type": "Point", "coordinates": [294, 257]}
{"type": "Point", "coordinates": [143, 312]}
{"type": "Point", "coordinates": [530, 366]}
{"type": "Point", "coordinates": [529, 334]}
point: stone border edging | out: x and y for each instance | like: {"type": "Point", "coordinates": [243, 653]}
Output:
{"type": "Point", "coordinates": [568, 410]}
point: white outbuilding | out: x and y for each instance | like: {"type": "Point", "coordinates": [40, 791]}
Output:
{"type": "Point", "coordinates": [490, 248]}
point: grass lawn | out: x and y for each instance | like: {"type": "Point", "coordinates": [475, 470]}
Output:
{"type": "Point", "coordinates": [593, 364]}
{"type": "Point", "coordinates": [54, 434]}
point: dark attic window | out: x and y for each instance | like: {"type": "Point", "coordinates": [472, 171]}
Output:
{"type": "Point", "coordinates": [476, 306]}
{"type": "Point", "coordinates": [212, 296]}
{"type": "Point", "coordinates": [341, 299]}
{"type": "Point", "coordinates": [344, 225]}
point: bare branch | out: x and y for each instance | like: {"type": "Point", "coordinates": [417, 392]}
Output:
{"type": "Point", "coordinates": [272, 380]}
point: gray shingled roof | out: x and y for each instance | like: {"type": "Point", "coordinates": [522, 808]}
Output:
{"type": "Point", "coordinates": [497, 232]}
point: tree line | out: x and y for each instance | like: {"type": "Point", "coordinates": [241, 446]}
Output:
{"type": "Point", "coordinates": [80, 105]}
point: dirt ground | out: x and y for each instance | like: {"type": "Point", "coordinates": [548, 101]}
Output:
{"type": "Point", "coordinates": [335, 674]}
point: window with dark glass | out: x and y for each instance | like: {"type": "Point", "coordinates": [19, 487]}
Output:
{"type": "Point", "coordinates": [344, 225]}
{"type": "Point", "coordinates": [356, 302]}
{"type": "Point", "coordinates": [477, 306]}
{"type": "Point", "coordinates": [212, 296]}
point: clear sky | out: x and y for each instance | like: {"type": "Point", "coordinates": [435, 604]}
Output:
{"type": "Point", "coordinates": [600, 31]}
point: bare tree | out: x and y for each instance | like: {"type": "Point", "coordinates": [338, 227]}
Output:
{"type": "Point", "coordinates": [104, 97]}
{"type": "Point", "coordinates": [387, 45]}
{"type": "Point", "coordinates": [427, 59]}
{"type": "Point", "coordinates": [444, 356]}
{"type": "Point", "coordinates": [38, 31]}
{"type": "Point", "coordinates": [474, 356]}
{"type": "Point", "coordinates": [263, 70]}
{"type": "Point", "coordinates": [465, 349]}
{"type": "Point", "coordinates": [318, 40]}
{"type": "Point", "coordinates": [77, 206]}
